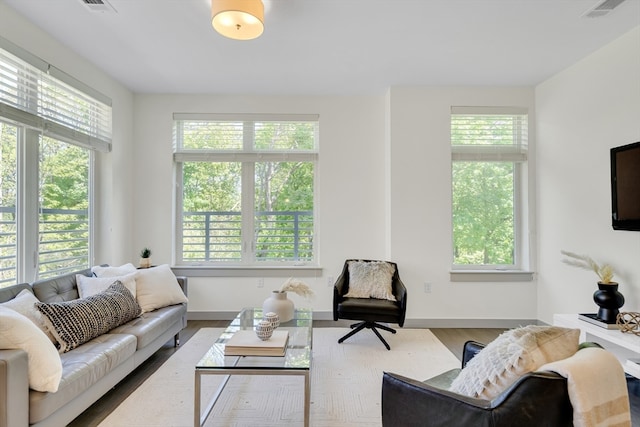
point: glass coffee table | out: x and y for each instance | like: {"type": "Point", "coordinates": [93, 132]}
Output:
{"type": "Point", "coordinates": [296, 361]}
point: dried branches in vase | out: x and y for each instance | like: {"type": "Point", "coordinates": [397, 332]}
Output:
{"type": "Point", "coordinates": [297, 287]}
{"type": "Point", "coordinates": [605, 271]}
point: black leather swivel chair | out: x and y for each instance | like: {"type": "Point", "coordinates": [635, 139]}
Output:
{"type": "Point", "coordinates": [369, 311]}
{"type": "Point", "coordinates": [537, 399]}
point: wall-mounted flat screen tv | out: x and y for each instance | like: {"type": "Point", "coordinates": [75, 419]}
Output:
{"type": "Point", "coordinates": [625, 187]}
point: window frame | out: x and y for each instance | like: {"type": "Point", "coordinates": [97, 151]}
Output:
{"type": "Point", "coordinates": [43, 101]}
{"type": "Point", "coordinates": [516, 154]}
{"type": "Point", "coordinates": [28, 207]}
{"type": "Point", "coordinates": [248, 157]}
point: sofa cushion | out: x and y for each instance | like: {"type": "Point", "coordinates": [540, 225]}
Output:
{"type": "Point", "coordinates": [109, 271]}
{"type": "Point", "coordinates": [370, 279]}
{"type": "Point", "coordinates": [513, 354]}
{"type": "Point", "coordinates": [75, 322]}
{"type": "Point", "coordinates": [58, 288]}
{"type": "Point", "coordinates": [157, 287]}
{"type": "Point", "coordinates": [88, 286]}
{"type": "Point", "coordinates": [25, 304]}
{"type": "Point", "coordinates": [149, 326]}
{"type": "Point", "coordinates": [18, 332]}
{"type": "Point", "coordinates": [82, 368]}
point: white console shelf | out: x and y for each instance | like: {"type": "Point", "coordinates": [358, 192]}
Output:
{"type": "Point", "coordinates": [624, 345]}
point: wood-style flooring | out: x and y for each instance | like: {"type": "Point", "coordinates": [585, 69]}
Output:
{"type": "Point", "coordinates": [452, 338]}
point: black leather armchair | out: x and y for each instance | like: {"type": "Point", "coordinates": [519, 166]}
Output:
{"type": "Point", "coordinates": [537, 399]}
{"type": "Point", "coordinates": [369, 311]}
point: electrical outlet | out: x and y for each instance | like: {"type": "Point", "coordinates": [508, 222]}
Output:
{"type": "Point", "coordinates": [427, 287]}
{"type": "Point", "coordinates": [261, 282]}
{"type": "Point", "coordinates": [330, 281]}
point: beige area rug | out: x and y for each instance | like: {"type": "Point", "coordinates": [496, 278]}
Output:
{"type": "Point", "coordinates": [346, 383]}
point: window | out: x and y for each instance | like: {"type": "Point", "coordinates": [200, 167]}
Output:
{"type": "Point", "coordinates": [489, 164]}
{"type": "Point", "coordinates": [245, 189]}
{"type": "Point", "coordinates": [63, 212]}
{"type": "Point", "coordinates": [8, 203]}
{"type": "Point", "coordinates": [50, 125]}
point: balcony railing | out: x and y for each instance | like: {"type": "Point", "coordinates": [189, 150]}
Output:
{"type": "Point", "coordinates": [63, 245]}
{"type": "Point", "coordinates": [278, 236]}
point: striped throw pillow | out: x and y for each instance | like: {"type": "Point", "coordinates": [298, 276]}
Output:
{"type": "Point", "coordinates": [75, 322]}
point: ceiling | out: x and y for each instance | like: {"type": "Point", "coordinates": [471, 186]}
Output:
{"type": "Point", "coordinates": [331, 46]}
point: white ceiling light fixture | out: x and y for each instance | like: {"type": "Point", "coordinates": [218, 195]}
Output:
{"type": "Point", "coordinates": [238, 19]}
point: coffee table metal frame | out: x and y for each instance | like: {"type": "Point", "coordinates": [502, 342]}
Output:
{"type": "Point", "coordinates": [296, 361]}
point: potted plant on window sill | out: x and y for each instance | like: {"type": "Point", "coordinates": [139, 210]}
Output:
{"type": "Point", "coordinates": [145, 258]}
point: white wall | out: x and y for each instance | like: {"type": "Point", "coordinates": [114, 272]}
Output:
{"type": "Point", "coordinates": [357, 146]}
{"type": "Point", "coordinates": [351, 197]}
{"type": "Point", "coordinates": [582, 112]}
{"type": "Point", "coordinates": [114, 203]}
{"type": "Point", "coordinates": [420, 188]}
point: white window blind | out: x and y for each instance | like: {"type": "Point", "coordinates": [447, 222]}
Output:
{"type": "Point", "coordinates": [40, 96]}
{"type": "Point", "coordinates": [489, 134]}
{"type": "Point", "coordinates": [240, 137]}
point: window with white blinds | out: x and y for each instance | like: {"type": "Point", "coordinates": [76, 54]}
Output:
{"type": "Point", "coordinates": [245, 189]}
{"type": "Point", "coordinates": [36, 94]}
{"type": "Point", "coordinates": [489, 147]}
{"type": "Point", "coordinates": [489, 133]}
{"type": "Point", "coordinates": [50, 127]}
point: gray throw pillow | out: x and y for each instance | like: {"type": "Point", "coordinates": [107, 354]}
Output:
{"type": "Point", "coordinates": [75, 322]}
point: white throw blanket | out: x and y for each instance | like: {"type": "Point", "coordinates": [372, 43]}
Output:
{"type": "Point", "coordinates": [597, 388]}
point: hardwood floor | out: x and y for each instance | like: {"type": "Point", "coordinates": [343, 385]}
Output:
{"type": "Point", "coordinates": [453, 339]}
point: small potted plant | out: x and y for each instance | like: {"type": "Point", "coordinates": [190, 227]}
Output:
{"type": "Point", "coordinates": [145, 258]}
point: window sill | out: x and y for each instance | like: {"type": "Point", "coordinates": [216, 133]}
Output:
{"type": "Point", "coordinates": [246, 271]}
{"type": "Point", "coordinates": [491, 276]}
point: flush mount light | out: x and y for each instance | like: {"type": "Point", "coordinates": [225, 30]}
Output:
{"type": "Point", "coordinates": [238, 19]}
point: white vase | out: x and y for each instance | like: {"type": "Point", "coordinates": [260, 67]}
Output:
{"type": "Point", "coordinates": [281, 305]}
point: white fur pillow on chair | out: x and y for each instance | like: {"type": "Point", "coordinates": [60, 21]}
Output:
{"type": "Point", "coordinates": [371, 279]}
{"type": "Point", "coordinates": [513, 354]}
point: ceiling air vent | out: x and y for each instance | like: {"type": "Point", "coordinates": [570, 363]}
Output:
{"type": "Point", "coordinates": [98, 5]}
{"type": "Point", "coordinates": [603, 8]}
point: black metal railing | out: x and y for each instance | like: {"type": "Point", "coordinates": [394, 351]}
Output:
{"type": "Point", "coordinates": [63, 245]}
{"type": "Point", "coordinates": [217, 236]}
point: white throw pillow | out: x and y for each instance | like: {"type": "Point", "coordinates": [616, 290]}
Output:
{"type": "Point", "coordinates": [45, 366]}
{"type": "Point", "coordinates": [513, 354]}
{"type": "Point", "coordinates": [24, 303]}
{"type": "Point", "coordinates": [88, 286]}
{"type": "Point", "coordinates": [109, 271]}
{"type": "Point", "coordinates": [157, 287]}
{"type": "Point", "coordinates": [371, 279]}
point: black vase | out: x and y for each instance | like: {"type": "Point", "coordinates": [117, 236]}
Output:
{"type": "Point", "coordinates": [609, 300]}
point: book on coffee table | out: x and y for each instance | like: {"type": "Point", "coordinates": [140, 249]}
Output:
{"type": "Point", "coordinates": [246, 343]}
